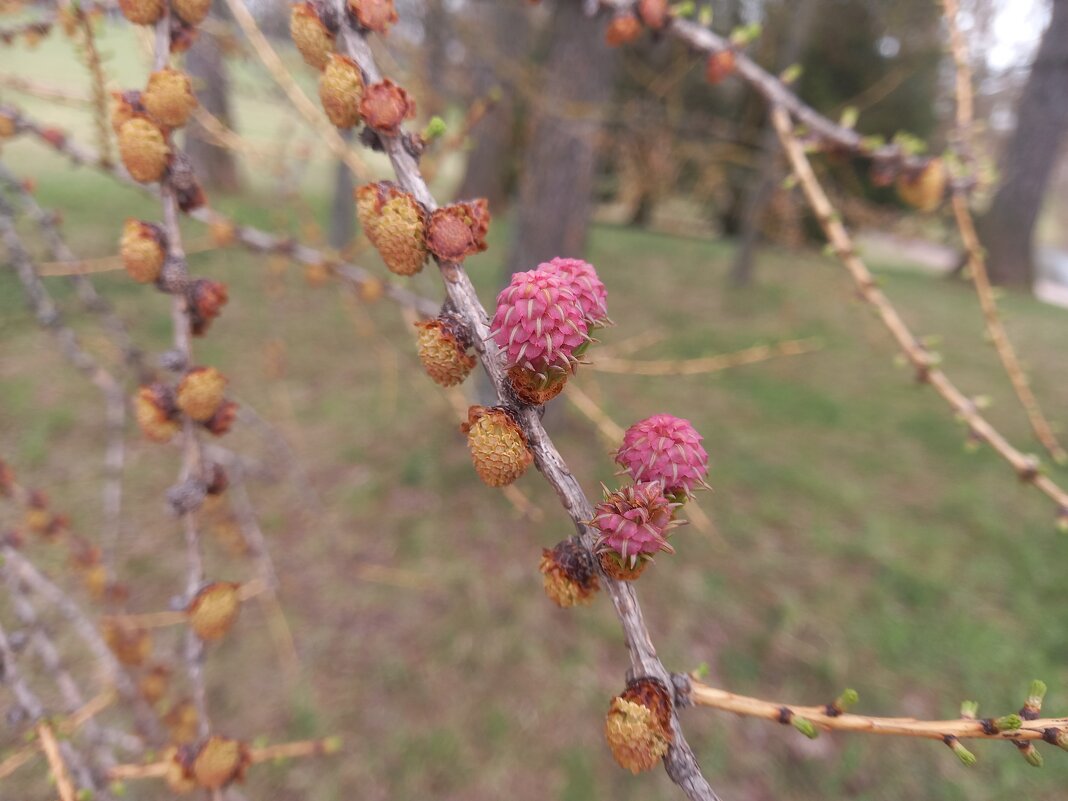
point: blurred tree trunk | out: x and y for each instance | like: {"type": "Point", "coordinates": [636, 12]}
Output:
{"type": "Point", "coordinates": [436, 56]}
{"type": "Point", "coordinates": [215, 166]}
{"type": "Point", "coordinates": [761, 190]}
{"type": "Point", "coordinates": [490, 169]}
{"type": "Point", "coordinates": [556, 182]}
{"type": "Point", "coordinates": [1008, 228]}
{"type": "Point", "coordinates": [343, 206]}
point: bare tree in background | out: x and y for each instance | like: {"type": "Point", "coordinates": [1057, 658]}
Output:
{"type": "Point", "coordinates": [506, 27]}
{"type": "Point", "coordinates": [1008, 228]}
{"type": "Point", "coordinates": [215, 166]}
{"type": "Point", "coordinates": [558, 166]}
{"type": "Point", "coordinates": [343, 205]}
{"type": "Point", "coordinates": [760, 191]}
{"type": "Point", "coordinates": [437, 32]}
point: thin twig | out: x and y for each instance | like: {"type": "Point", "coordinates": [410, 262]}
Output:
{"type": "Point", "coordinates": [250, 237]}
{"type": "Point", "coordinates": [87, 631]}
{"type": "Point", "coordinates": [1025, 466]}
{"type": "Point", "coordinates": [976, 254]}
{"type": "Point", "coordinates": [95, 67]}
{"type": "Point", "coordinates": [55, 762]}
{"type": "Point", "coordinates": [705, 364]}
{"type": "Point", "coordinates": [826, 717]}
{"type": "Point", "coordinates": [312, 113]}
{"type": "Point", "coordinates": [776, 92]}
{"type": "Point", "coordinates": [680, 762]}
{"type": "Point", "coordinates": [267, 753]}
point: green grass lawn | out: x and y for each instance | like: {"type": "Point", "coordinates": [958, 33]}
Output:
{"type": "Point", "coordinates": [856, 544]}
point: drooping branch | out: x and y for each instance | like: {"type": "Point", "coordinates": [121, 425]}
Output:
{"type": "Point", "coordinates": [33, 709]}
{"type": "Point", "coordinates": [88, 633]}
{"type": "Point", "coordinates": [1025, 466]}
{"type": "Point", "coordinates": [703, 365]}
{"type": "Point", "coordinates": [192, 466]}
{"type": "Point", "coordinates": [680, 762]}
{"type": "Point", "coordinates": [775, 91]}
{"type": "Point", "coordinates": [1020, 729]}
{"type": "Point", "coordinates": [974, 248]}
{"type": "Point", "coordinates": [114, 397]}
{"type": "Point", "coordinates": [250, 237]}
{"type": "Point", "coordinates": [274, 66]}
{"type": "Point", "coordinates": [258, 755]}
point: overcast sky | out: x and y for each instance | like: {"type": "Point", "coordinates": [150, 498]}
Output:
{"type": "Point", "coordinates": [1018, 27]}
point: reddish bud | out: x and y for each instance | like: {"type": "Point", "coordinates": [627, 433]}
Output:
{"type": "Point", "coordinates": [206, 299]}
{"type": "Point", "coordinates": [719, 66]}
{"type": "Point", "coordinates": [459, 230]}
{"type": "Point", "coordinates": [374, 15]}
{"type": "Point", "coordinates": [623, 29]}
{"type": "Point", "coordinates": [385, 106]}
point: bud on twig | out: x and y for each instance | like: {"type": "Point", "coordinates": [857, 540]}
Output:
{"type": "Point", "coordinates": [963, 754]}
{"type": "Point", "coordinates": [1030, 753]}
{"type": "Point", "coordinates": [1032, 708]}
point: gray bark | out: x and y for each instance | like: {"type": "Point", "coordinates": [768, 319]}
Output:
{"type": "Point", "coordinates": [215, 166]}
{"type": "Point", "coordinates": [343, 206]}
{"type": "Point", "coordinates": [762, 189]}
{"type": "Point", "coordinates": [1008, 228]}
{"type": "Point", "coordinates": [490, 163]}
{"type": "Point", "coordinates": [558, 167]}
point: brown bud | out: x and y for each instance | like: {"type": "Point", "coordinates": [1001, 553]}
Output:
{"type": "Point", "coordinates": [95, 579]}
{"type": "Point", "coordinates": [638, 725]}
{"type": "Point", "coordinates": [169, 97]}
{"type": "Point", "coordinates": [385, 106]}
{"type": "Point", "coordinates": [214, 609]}
{"type": "Point", "coordinates": [183, 179]}
{"type": "Point", "coordinates": [201, 392]}
{"type": "Point", "coordinates": [125, 106]}
{"type": "Point", "coordinates": [341, 90]}
{"type": "Point", "coordinates": [924, 188]}
{"type": "Point", "coordinates": [156, 412]}
{"type": "Point", "coordinates": [619, 569]}
{"type": "Point", "coordinates": [144, 150]}
{"type": "Point", "coordinates": [458, 230]}
{"type": "Point", "coordinates": [219, 762]}
{"type": "Point", "coordinates": [154, 683]}
{"type": "Point", "coordinates": [223, 232]}
{"type": "Point", "coordinates": [442, 345]}
{"type": "Point", "coordinates": [193, 12]}
{"type": "Point", "coordinates": [568, 574]}
{"type": "Point", "coordinates": [182, 35]}
{"type": "Point", "coordinates": [223, 419]}
{"type": "Point", "coordinates": [311, 35]}
{"type": "Point", "coordinates": [181, 721]}
{"type": "Point", "coordinates": [83, 554]}
{"type": "Point", "coordinates": [206, 299]}
{"type": "Point", "coordinates": [370, 198]}
{"type": "Point", "coordinates": [142, 12]}
{"type": "Point", "coordinates": [217, 479]}
{"type": "Point", "coordinates": [130, 644]}
{"type": "Point", "coordinates": [654, 13]}
{"type": "Point", "coordinates": [179, 775]}
{"type": "Point", "coordinates": [374, 15]}
{"type": "Point", "coordinates": [143, 249]}
{"type": "Point", "coordinates": [719, 66]}
{"type": "Point", "coordinates": [623, 29]}
{"type": "Point", "coordinates": [498, 446]}
{"type": "Point", "coordinates": [535, 388]}
{"type": "Point", "coordinates": [39, 519]}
